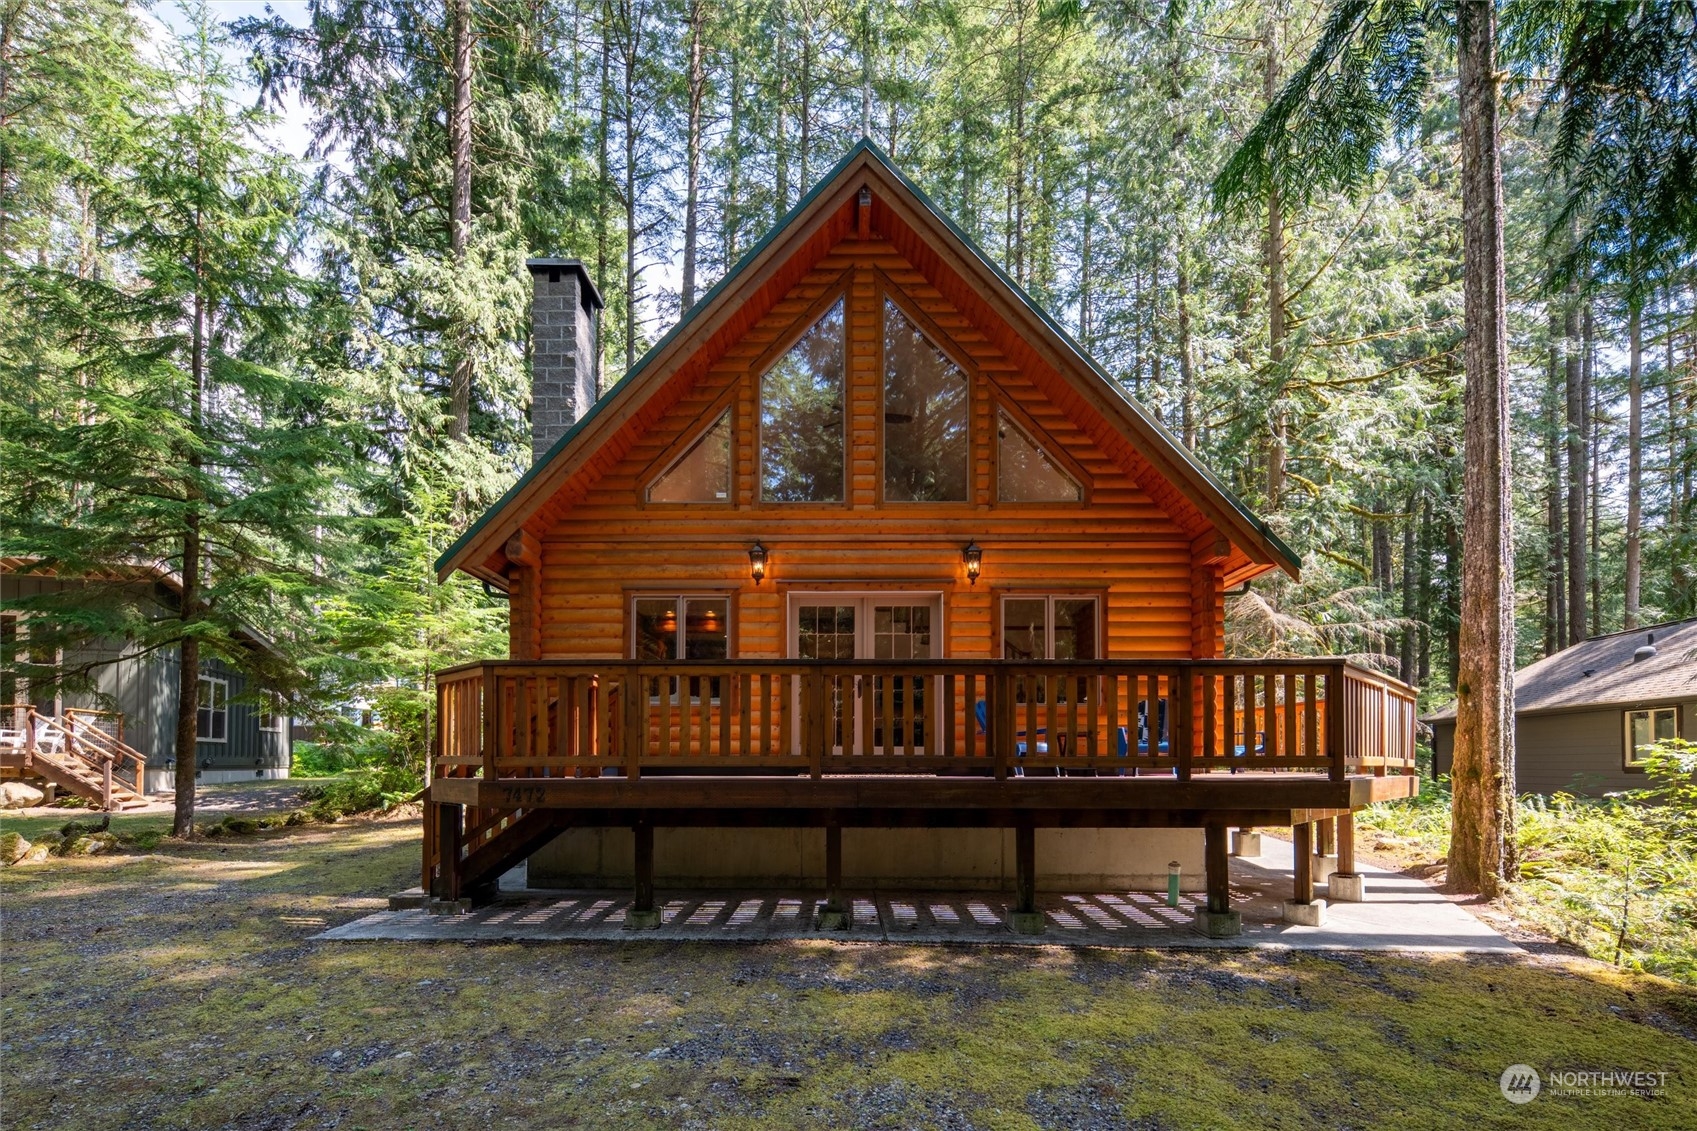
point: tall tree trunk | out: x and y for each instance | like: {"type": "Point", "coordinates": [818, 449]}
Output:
{"type": "Point", "coordinates": [692, 148]}
{"type": "Point", "coordinates": [1274, 251]}
{"type": "Point", "coordinates": [1578, 462]}
{"type": "Point", "coordinates": [1595, 423]}
{"type": "Point", "coordinates": [1187, 375]}
{"type": "Point", "coordinates": [1555, 608]}
{"type": "Point", "coordinates": [632, 45]}
{"type": "Point", "coordinates": [1424, 675]}
{"type": "Point", "coordinates": [1085, 266]}
{"type": "Point", "coordinates": [604, 181]}
{"type": "Point", "coordinates": [729, 216]}
{"type": "Point", "coordinates": [866, 69]}
{"type": "Point", "coordinates": [189, 612]}
{"type": "Point", "coordinates": [1410, 609]}
{"type": "Point", "coordinates": [459, 218]}
{"type": "Point", "coordinates": [1481, 855]}
{"type": "Point", "coordinates": [1634, 459]}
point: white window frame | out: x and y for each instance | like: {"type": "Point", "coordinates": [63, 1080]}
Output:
{"type": "Point", "coordinates": [220, 707]}
{"type": "Point", "coordinates": [1629, 752]}
{"type": "Point", "coordinates": [271, 718]}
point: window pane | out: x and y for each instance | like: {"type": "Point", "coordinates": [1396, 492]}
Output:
{"type": "Point", "coordinates": [1025, 628]}
{"type": "Point", "coordinates": [925, 417]}
{"type": "Point", "coordinates": [1075, 628]}
{"type": "Point", "coordinates": [706, 628]}
{"type": "Point", "coordinates": [1024, 474]}
{"type": "Point", "coordinates": [827, 632]}
{"type": "Point", "coordinates": [801, 418]}
{"type": "Point", "coordinates": [1664, 726]}
{"type": "Point", "coordinates": [656, 628]}
{"type": "Point", "coordinates": [703, 475]}
{"type": "Point", "coordinates": [1638, 727]}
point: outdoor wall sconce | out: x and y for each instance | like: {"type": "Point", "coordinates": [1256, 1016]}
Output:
{"type": "Point", "coordinates": [974, 559]}
{"type": "Point", "coordinates": [757, 562]}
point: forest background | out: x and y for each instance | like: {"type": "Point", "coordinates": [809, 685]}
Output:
{"type": "Point", "coordinates": [264, 280]}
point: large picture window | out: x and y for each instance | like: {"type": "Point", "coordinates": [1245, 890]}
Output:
{"type": "Point", "coordinates": [802, 418]}
{"type": "Point", "coordinates": [702, 474]}
{"type": "Point", "coordinates": [212, 722]}
{"type": "Point", "coordinates": [1646, 728]}
{"type": "Point", "coordinates": [927, 425]}
{"type": "Point", "coordinates": [1024, 471]}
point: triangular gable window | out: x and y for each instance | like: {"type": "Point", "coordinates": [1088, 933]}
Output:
{"type": "Point", "coordinates": [927, 428]}
{"type": "Point", "coordinates": [1025, 473]}
{"type": "Point", "coordinates": [703, 475]}
{"type": "Point", "coordinates": [801, 417]}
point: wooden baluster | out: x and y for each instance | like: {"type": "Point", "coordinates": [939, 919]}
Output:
{"type": "Point", "coordinates": [491, 714]}
{"type": "Point", "coordinates": [743, 691]}
{"type": "Point", "coordinates": [1287, 743]}
{"type": "Point", "coordinates": [724, 709]}
{"type": "Point", "coordinates": [635, 692]}
{"type": "Point", "coordinates": [948, 710]}
{"type": "Point", "coordinates": [1335, 744]}
{"type": "Point", "coordinates": [1180, 690]}
{"type": "Point", "coordinates": [999, 720]}
{"type": "Point", "coordinates": [1109, 747]}
{"type": "Point", "coordinates": [785, 740]}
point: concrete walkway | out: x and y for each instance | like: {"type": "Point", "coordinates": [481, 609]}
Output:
{"type": "Point", "coordinates": [1400, 913]}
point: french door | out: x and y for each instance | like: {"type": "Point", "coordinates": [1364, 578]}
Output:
{"type": "Point", "coordinates": [884, 626]}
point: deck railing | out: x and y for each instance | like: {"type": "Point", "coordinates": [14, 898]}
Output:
{"type": "Point", "coordinates": [507, 720]}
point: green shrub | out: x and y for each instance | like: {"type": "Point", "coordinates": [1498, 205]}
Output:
{"type": "Point", "coordinates": [362, 791]}
{"type": "Point", "coordinates": [1615, 876]}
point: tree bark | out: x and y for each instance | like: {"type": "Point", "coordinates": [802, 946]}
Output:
{"type": "Point", "coordinates": [1578, 376]}
{"type": "Point", "coordinates": [1634, 460]}
{"type": "Point", "coordinates": [1408, 636]}
{"type": "Point", "coordinates": [1186, 369]}
{"type": "Point", "coordinates": [1555, 590]}
{"type": "Point", "coordinates": [459, 213]}
{"type": "Point", "coordinates": [1594, 472]}
{"type": "Point", "coordinates": [1481, 855]}
{"type": "Point", "coordinates": [1275, 256]}
{"type": "Point", "coordinates": [692, 146]}
{"type": "Point", "coordinates": [188, 668]}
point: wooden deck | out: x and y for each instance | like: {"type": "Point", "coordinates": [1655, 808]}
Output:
{"type": "Point", "coordinates": [526, 750]}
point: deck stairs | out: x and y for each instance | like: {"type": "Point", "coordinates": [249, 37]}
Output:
{"type": "Point", "coordinates": [79, 757]}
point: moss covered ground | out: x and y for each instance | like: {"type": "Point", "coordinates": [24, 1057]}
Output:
{"type": "Point", "coordinates": [181, 989]}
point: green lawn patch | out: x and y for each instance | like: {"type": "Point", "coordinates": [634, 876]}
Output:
{"type": "Point", "coordinates": [182, 987]}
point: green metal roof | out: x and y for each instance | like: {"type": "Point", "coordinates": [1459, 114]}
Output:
{"type": "Point", "coordinates": [869, 148]}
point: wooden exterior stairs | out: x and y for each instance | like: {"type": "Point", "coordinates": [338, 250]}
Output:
{"type": "Point", "coordinates": [76, 755]}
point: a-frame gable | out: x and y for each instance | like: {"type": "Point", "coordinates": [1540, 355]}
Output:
{"type": "Point", "coordinates": [712, 357]}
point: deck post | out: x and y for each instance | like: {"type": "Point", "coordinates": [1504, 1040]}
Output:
{"type": "Point", "coordinates": [450, 829]}
{"type": "Point", "coordinates": [833, 914]}
{"type": "Point", "coordinates": [1303, 909]}
{"type": "Point", "coordinates": [1346, 885]}
{"type": "Point", "coordinates": [1325, 859]}
{"type": "Point", "coordinates": [1217, 920]}
{"type": "Point", "coordinates": [1023, 918]}
{"type": "Point", "coordinates": [642, 916]}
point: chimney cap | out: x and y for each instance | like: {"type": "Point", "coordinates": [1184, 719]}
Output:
{"type": "Point", "coordinates": [591, 296]}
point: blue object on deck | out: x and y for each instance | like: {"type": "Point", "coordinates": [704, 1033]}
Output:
{"type": "Point", "coordinates": [983, 713]}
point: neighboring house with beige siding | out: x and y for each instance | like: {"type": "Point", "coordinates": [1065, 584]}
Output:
{"type": "Point", "coordinates": [1584, 716]}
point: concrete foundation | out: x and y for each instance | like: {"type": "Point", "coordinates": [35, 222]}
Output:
{"type": "Point", "coordinates": [1219, 924]}
{"type": "Point", "coordinates": [1023, 922]}
{"type": "Point", "coordinates": [1347, 887]}
{"type": "Point", "coordinates": [874, 859]}
{"type": "Point", "coordinates": [642, 920]}
{"type": "Point", "coordinates": [1306, 914]}
{"type": "Point", "coordinates": [165, 781]}
{"type": "Point", "coordinates": [1324, 866]}
{"type": "Point", "coordinates": [1246, 844]}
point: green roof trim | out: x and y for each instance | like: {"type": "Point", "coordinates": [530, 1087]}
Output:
{"type": "Point", "coordinates": [864, 146]}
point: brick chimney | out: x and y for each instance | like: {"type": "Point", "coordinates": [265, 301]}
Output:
{"type": "Point", "coordinates": [564, 326]}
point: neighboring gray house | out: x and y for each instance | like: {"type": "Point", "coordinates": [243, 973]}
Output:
{"type": "Point", "coordinates": [1584, 715]}
{"type": "Point", "coordinates": [242, 735]}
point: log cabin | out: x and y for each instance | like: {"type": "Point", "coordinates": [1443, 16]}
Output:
{"type": "Point", "coordinates": [867, 574]}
